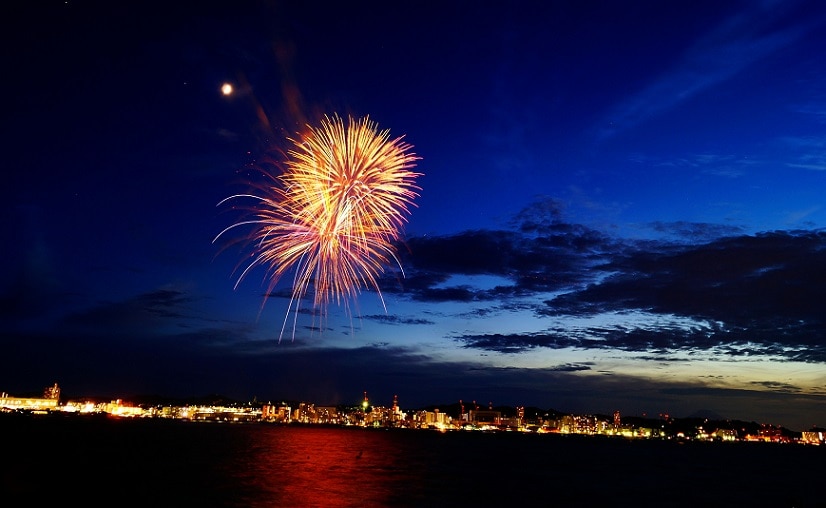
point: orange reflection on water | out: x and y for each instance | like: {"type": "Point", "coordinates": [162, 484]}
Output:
{"type": "Point", "coordinates": [289, 466]}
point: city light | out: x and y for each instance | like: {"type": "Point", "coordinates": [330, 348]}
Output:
{"type": "Point", "coordinates": [454, 418]}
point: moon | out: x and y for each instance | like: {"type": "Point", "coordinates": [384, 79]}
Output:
{"type": "Point", "coordinates": [226, 89]}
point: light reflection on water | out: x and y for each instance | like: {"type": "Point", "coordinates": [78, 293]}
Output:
{"type": "Point", "coordinates": [289, 466]}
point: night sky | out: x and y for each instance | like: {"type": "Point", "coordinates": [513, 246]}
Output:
{"type": "Point", "coordinates": [622, 204]}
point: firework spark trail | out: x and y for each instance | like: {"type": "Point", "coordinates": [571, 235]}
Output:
{"type": "Point", "coordinates": [334, 214]}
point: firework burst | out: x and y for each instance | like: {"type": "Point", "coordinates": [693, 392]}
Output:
{"type": "Point", "coordinates": [334, 214]}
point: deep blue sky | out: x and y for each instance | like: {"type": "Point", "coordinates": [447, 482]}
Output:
{"type": "Point", "coordinates": [622, 205]}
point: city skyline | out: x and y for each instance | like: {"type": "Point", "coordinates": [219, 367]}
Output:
{"type": "Point", "coordinates": [621, 204]}
{"type": "Point", "coordinates": [460, 415]}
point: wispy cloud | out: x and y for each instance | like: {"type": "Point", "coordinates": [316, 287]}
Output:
{"type": "Point", "coordinates": [814, 167]}
{"type": "Point", "coordinates": [817, 110]}
{"type": "Point", "coordinates": [809, 152]}
{"type": "Point", "coordinates": [744, 38]}
{"type": "Point", "coordinates": [713, 164]}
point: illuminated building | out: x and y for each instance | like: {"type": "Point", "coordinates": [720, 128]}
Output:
{"type": "Point", "coordinates": [725, 434]}
{"type": "Point", "coordinates": [272, 413]}
{"type": "Point", "coordinates": [305, 413]}
{"type": "Point", "coordinates": [118, 408]}
{"type": "Point", "coordinates": [48, 402]}
{"type": "Point", "coordinates": [578, 424]}
{"type": "Point", "coordinates": [326, 415]}
{"type": "Point", "coordinates": [431, 419]}
{"type": "Point", "coordinates": [482, 418]}
{"type": "Point", "coordinates": [398, 416]}
{"type": "Point", "coordinates": [770, 433]}
{"type": "Point", "coordinates": [85, 407]}
{"type": "Point", "coordinates": [513, 422]}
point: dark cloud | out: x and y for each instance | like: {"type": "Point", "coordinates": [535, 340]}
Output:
{"type": "Point", "coordinates": [695, 231]}
{"type": "Point", "coordinates": [735, 279]}
{"type": "Point", "coordinates": [144, 313]}
{"type": "Point", "coordinates": [543, 254]}
{"type": "Point", "coordinates": [539, 215]}
{"type": "Point", "coordinates": [635, 340]}
{"type": "Point", "coordinates": [518, 343]}
{"type": "Point", "coordinates": [317, 329]}
{"type": "Point", "coordinates": [665, 360]}
{"type": "Point", "coordinates": [397, 320]}
{"type": "Point", "coordinates": [747, 295]}
{"type": "Point", "coordinates": [450, 294]}
{"type": "Point", "coordinates": [664, 342]}
{"type": "Point", "coordinates": [477, 313]}
{"type": "Point", "coordinates": [768, 290]}
{"type": "Point", "coordinates": [777, 387]}
{"type": "Point", "coordinates": [572, 367]}
{"type": "Point", "coordinates": [565, 367]}
{"type": "Point", "coordinates": [468, 253]}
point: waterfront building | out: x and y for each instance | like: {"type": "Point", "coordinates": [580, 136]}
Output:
{"type": "Point", "coordinates": [48, 402]}
{"type": "Point", "coordinates": [485, 418]}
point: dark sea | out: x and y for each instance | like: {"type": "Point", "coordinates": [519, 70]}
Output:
{"type": "Point", "coordinates": [77, 461]}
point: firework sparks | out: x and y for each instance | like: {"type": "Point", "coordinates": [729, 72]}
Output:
{"type": "Point", "coordinates": [334, 214]}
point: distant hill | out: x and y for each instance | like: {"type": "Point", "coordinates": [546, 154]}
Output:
{"type": "Point", "coordinates": [706, 414]}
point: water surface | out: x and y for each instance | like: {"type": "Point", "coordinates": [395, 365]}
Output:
{"type": "Point", "coordinates": [105, 461]}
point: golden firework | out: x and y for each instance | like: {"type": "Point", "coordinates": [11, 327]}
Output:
{"type": "Point", "coordinates": [334, 214]}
